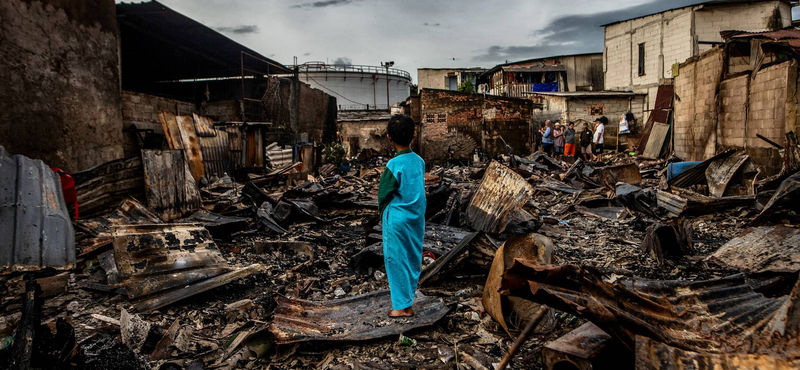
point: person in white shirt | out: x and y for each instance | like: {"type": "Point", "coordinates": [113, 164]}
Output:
{"type": "Point", "coordinates": [599, 130]}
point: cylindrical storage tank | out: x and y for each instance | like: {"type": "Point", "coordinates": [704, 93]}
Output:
{"type": "Point", "coordinates": [358, 87]}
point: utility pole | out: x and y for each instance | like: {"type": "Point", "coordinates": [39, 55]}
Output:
{"type": "Point", "coordinates": [387, 65]}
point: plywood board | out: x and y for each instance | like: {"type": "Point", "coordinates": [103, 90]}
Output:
{"type": "Point", "coordinates": [171, 130]}
{"type": "Point", "coordinates": [169, 186]}
{"type": "Point", "coordinates": [191, 146]}
{"type": "Point", "coordinates": [658, 134]}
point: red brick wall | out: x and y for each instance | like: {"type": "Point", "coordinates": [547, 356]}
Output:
{"type": "Point", "coordinates": [484, 118]}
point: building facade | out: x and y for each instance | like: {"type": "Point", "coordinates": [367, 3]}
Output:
{"type": "Point", "coordinates": [580, 72]}
{"type": "Point", "coordinates": [447, 78]}
{"type": "Point", "coordinates": [642, 51]}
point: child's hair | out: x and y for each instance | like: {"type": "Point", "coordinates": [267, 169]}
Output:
{"type": "Point", "coordinates": [401, 129]}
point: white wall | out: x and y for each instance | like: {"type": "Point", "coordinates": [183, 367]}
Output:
{"type": "Point", "coordinates": [360, 88]}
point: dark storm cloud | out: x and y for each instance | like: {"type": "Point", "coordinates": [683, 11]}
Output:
{"type": "Point", "coordinates": [322, 4]}
{"type": "Point", "coordinates": [571, 34]}
{"type": "Point", "coordinates": [343, 61]}
{"type": "Point", "coordinates": [243, 29]}
{"type": "Point", "coordinates": [306, 54]}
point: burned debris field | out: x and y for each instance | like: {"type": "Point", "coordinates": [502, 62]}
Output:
{"type": "Point", "coordinates": [280, 272]}
{"type": "Point", "coordinates": [173, 199]}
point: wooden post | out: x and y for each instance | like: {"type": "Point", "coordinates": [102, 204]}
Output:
{"type": "Point", "coordinates": [523, 337]}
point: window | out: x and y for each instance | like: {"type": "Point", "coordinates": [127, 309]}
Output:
{"type": "Point", "coordinates": [641, 59]}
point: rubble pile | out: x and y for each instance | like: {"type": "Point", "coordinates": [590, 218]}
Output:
{"type": "Point", "coordinates": [284, 270]}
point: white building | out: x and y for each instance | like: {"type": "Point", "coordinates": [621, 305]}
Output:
{"type": "Point", "coordinates": [642, 51]}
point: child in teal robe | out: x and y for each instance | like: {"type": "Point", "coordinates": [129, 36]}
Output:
{"type": "Point", "coordinates": [401, 200]}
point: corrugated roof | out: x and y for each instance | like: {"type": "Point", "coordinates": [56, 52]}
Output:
{"type": "Point", "coordinates": [491, 70]}
{"type": "Point", "coordinates": [35, 227]}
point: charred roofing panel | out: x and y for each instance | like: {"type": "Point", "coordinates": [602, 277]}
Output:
{"type": "Point", "coordinates": [35, 228]}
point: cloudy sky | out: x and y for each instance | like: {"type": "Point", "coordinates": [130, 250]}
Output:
{"type": "Point", "coordinates": [416, 33]}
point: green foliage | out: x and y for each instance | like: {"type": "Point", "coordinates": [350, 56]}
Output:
{"type": "Point", "coordinates": [333, 153]}
{"type": "Point", "coordinates": [466, 87]}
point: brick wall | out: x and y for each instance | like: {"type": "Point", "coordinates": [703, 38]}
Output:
{"type": "Point", "coordinates": [484, 119]}
{"type": "Point", "coordinates": [769, 109]}
{"type": "Point", "coordinates": [696, 107]}
{"type": "Point", "coordinates": [733, 99]}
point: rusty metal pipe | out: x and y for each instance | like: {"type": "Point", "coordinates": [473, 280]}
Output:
{"type": "Point", "coordinates": [522, 338]}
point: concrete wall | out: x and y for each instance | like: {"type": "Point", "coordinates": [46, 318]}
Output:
{"type": "Point", "coordinates": [364, 134]}
{"type": "Point", "coordinates": [672, 37]}
{"type": "Point", "coordinates": [485, 120]}
{"type": "Point", "coordinates": [300, 109]}
{"type": "Point", "coordinates": [709, 21]}
{"type": "Point", "coordinates": [60, 100]}
{"type": "Point", "coordinates": [696, 107]}
{"type": "Point", "coordinates": [714, 115]}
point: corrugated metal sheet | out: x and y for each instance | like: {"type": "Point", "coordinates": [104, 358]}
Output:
{"type": "Point", "coordinates": [35, 227]}
{"type": "Point", "coordinates": [357, 318]}
{"type": "Point", "coordinates": [719, 316]}
{"type": "Point", "coordinates": [103, 187]}
{"type": "Point", "coordinates": [170, 188]}
{"type": "Point", "coordinates": [235, 145]}
{"type": "Point", "coordinates": [204, 126]}
{"type": "Point", "coordinates": [128, 213]}
{"type": "Point", "coordinates": [502, 192]}
{"type": "Point", "coordinates": [217, 154]}
{"type": "Point", "coordinates": [161, 264]}
{"type": "Point", "coordinates": [762, 249]}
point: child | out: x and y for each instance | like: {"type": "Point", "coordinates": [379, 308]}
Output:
{"type": "Point", "coordinates": [401, 200]}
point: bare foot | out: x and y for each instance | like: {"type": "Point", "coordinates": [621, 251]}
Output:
{"type": "Point", "coordinates": [406, 312]}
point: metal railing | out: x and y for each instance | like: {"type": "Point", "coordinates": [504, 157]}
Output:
{"type": "Point", "coordinates": [322, 67]}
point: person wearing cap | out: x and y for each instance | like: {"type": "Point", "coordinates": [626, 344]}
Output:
{"type": "Point", "coordinates": [599, 131]}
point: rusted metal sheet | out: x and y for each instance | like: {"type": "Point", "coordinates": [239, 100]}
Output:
{"type": "Point", "coordinates": [762, 249]}
{"type": "Point", "coordinates": [652, 355]}
{"type": "Point", "coordinates": [586, 348]}
{"type": "Point", "coordinates": [532, 247]}
{"type": "Point", "coordinates": [35, 227]}
{"type": "Point", "coordinates": [697, 204]}
{"type": "Point", "coordinates": [162, 263]}
{"type": "Point", "coordinates": [789, 187]}
{"type": "Point", "coordinates": [662, 241]}
{"type": "Point", "coordinates": [103, 187]}
{"type": "Point", "coordinates": [660, 114]}
{"type": "Point", "coordinates": [720, 173]}
{"type": "Point", "coordinates": [216, 154]}
{"type": "Point", "coordinates": [234, 145]}
{"type": "Point", "coordinates": [191, 147]}
{"type": "Point", "coordinates": [171, 130]}
{"type": "Point", "coordinates": [170, 188]}
{"type": "Point", "coordinates": [358, 318]}
{"type": "Point", "coordinates": [502, 192]}
{"type": "Point", "coordinates": [720, 316]}
{"type": "Point", "coordinates": [129, 212]}
{"type": "Point", "coordinates": [697, 173]}
{"type": "Point", "coordinates": [204, 126]}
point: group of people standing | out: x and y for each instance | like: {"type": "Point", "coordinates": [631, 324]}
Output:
{"type": "Point", "coordinates": [559, 141]}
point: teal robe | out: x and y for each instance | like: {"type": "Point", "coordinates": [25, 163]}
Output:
{"type": "Point", "coordinates": [401, 199]}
